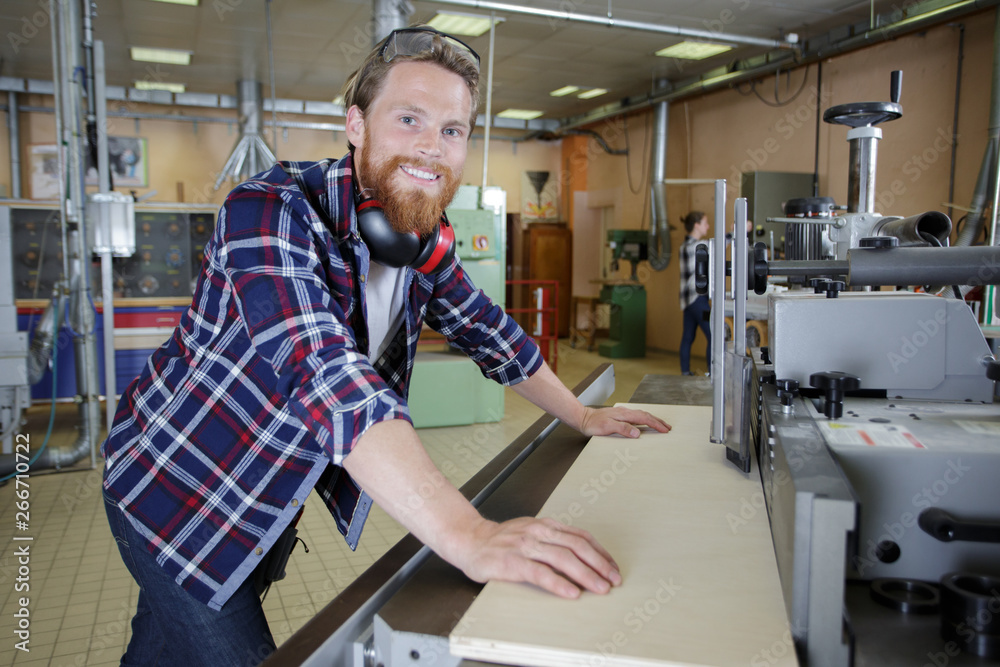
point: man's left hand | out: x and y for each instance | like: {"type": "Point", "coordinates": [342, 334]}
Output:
{"type": "Point", "coordinates": [619, 421]}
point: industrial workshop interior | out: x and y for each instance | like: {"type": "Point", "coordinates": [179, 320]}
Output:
{"type": "Point", "coordinates": [772, 225]}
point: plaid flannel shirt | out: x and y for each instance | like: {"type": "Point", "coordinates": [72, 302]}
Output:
{"type": "Point", "coordinates": [265, 386]}
{"type": "Point", "coordinates": [688, 293]}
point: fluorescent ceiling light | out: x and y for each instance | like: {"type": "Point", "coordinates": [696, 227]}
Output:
{"type": "Point", "coordinates": [159, 85]}
{"type": "Point", "coordinates": [192, 3]}
{"type": "Point", "coordinates": [693, 50]}
{"type": "Point", "coordinates": [519, 114]}
{"type": "Point", "coordinates": [457, 23]}
{"type": "Point", "coordinates": [565, 90]}
{"type": "Point", "coordinates": [166, 56]}
{"type": "Point", "coordinates": [593, 92]}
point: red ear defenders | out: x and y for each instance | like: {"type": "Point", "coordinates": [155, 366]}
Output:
{"type": "Point", "coordinates": [429, 254]}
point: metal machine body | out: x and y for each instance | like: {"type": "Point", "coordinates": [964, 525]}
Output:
{"type": "Point", "coordinates": [874, 417]}
{"type": "Point", "coordinates": [914, 346]}
{"type": "Point", "coordinates": [847, 497]}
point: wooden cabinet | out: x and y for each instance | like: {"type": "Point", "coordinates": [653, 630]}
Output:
{"type": "Point", "coordinates": [540, 251]}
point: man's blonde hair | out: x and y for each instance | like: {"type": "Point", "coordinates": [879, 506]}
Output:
{"type": "Point", "coordinates": [364, 85]}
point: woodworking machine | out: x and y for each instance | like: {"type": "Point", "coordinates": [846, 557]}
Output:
{"type": "Point", "coordinates": [874, 418]}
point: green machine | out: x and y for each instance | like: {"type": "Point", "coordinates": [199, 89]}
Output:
{"type": "Point", "coordinates": [447, 388]}
{"type": "Point", "coordinates": [627, 328]}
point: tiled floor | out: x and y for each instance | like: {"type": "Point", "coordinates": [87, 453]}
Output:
{"type": "Point", "coordinates": [82, 597]}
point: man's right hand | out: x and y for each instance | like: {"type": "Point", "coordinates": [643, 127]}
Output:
{"type": "Point", "coordinates": [391, 465]}
{"type": "Point", "coordinates": [553, 556]}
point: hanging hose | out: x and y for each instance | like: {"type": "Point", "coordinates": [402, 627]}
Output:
{"type": "Point", "coordinates": [52, 419]}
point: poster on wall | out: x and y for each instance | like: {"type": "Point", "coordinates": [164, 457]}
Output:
{"type": "Point", "coordinates": [127, 157]}
{"type": "Point", "coordinates": [44, 163]}
{"type": "Point", "coordinates": [539, 196]}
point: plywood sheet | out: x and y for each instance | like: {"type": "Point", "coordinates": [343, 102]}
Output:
{"type": "Point", "coordinates": [691, 536]}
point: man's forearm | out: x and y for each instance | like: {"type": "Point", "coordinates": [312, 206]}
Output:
{"type": "Point", "coordinates": [548, 392]}
{"type": "Point", "coordinates": [392, 467]}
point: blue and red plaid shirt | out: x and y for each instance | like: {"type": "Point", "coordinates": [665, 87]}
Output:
{"type": "Point", "coordinates": [265, 385]}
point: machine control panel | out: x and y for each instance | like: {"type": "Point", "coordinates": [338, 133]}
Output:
{"type": "Point", "coordinates": [170, 244]}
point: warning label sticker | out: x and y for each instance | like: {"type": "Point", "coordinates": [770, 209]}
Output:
{"type": "Point", "coordinates": [871, 435]}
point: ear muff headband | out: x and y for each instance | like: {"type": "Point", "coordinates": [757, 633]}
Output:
{"type": "Point", "coordinates": [398, 249]}
{"type": "Point", "coordinates": [437, 250]}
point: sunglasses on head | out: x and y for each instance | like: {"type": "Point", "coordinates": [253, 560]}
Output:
{"type": "Point", "coordinates": [414, 41]}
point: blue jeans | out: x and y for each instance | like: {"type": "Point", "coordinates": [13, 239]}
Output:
{"type": "Point", "coordinates": [694, 317]}
{"type": "Point", "coordinates": [171, 628]}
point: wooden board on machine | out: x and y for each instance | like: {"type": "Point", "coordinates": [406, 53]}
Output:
{"type": "Point", "coordinates": [691, 536]}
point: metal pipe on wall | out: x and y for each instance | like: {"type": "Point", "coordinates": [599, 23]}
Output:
{"type": "Point", "coordinates": [270, 67]}
{"type": "Point", "coordinates": [985, 190]}
{"type": "Point", "coordinates": [82, 314]}
{"type": "Point", "coordinates": [489, 103]}
{"type": "Point", "coordinates": [659, 227]}
{"type": "Point", "coordinates": [57, 94]}
{"type": "Point", "coordinates": [14, 138]}
{"type": "Point", "coordinates": [612, 22]}
{"type": "Point", "coordinates": [107, 277]}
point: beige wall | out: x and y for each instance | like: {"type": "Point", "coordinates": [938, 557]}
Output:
{"type": "Point", "coordinates": [724, 133]}
{"type": "Point", "coordinates": [181, 152]}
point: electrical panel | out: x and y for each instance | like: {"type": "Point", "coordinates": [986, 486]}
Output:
{"type": "Point", "coordinates": [169, 240]}
{"type": "Point", "coordinates": [37, 253]}
{"type": "Point", "coordinates": [169, 249]}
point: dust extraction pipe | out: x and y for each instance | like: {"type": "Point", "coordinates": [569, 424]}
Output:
{"type": "Point", "coordinates": [659, 227]}
{"type": "Point", "coordinates": [251, 154]}
{"type": "Point", "coordinates": [983, 195]}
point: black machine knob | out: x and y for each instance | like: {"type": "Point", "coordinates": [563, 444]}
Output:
{"type": "Point", "coordinates": [818, 285]}
{"type": "Point", "coordinates": [788, 389]}
{"type": "Point", "coordinates": [993, 370]}
{"type": "Point", "coordinates": [946, 527]}
{"type": "Point", "coordinates": [758, 268]}
{"type": "Point", "coordinates": [701, 268]}
{"type": "Point", "coordinates": [879, 242]}
{"type": "Point", "coordinates": [895, 85]}
{"type": "Point", "coordinates": [833, 288]}
{"type": "Point", "coordinates": [834, 384]}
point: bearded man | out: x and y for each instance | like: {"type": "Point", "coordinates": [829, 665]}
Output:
{"type": "Point", "coordinates": [290, 372]}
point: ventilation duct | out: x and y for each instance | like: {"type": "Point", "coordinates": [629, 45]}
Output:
{"type": "Point", "coordinates": [984, 195]}
{"type": "Point", "coordinates": [659, 229]}
{"type": "Point", "coordinates": [251, 155]}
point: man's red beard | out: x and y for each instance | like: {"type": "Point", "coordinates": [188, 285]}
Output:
{"type": "Point", "coordinates": [407, 209]}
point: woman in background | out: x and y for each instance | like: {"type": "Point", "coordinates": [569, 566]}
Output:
{"type": "Point", "coordinates": [695, 306]}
